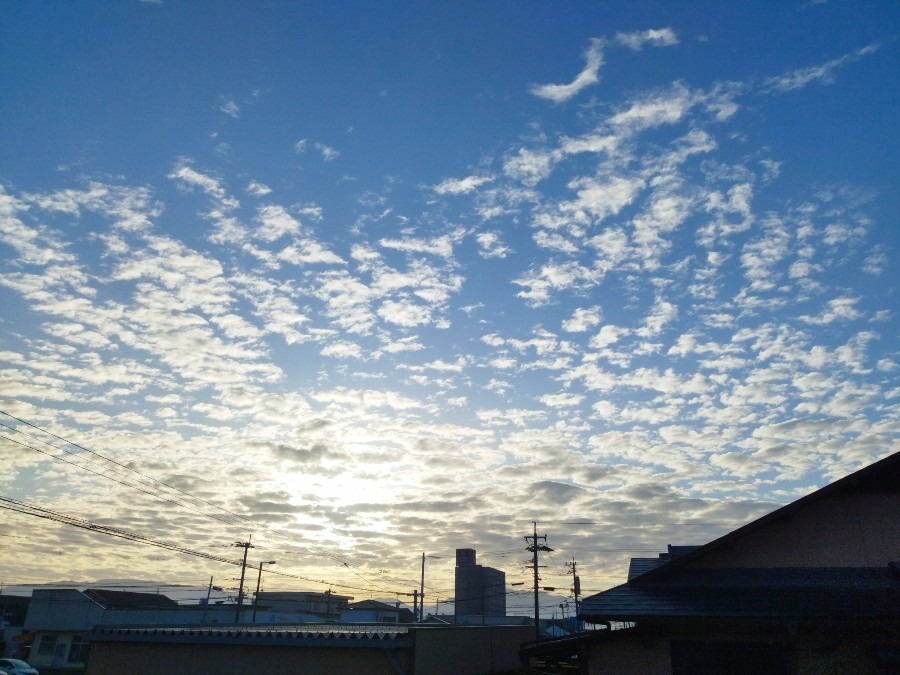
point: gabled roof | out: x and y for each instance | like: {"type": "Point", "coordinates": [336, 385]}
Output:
{"type": "Point", "coordinates": [129, 600]}
{"type": "Point", "coordinates": [372, 604]}
{"type": "Point", "coordinates": [676, 589]}
{"type": "Point", "coordinates": [881, 477]}
{"type": "Point", "coordinates": [640, 566]}
{"type": "Point", "coordinates": [775, 593]}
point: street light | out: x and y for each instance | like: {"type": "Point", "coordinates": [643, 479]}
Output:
{"type": "Point", "coordinates": [258, 580]}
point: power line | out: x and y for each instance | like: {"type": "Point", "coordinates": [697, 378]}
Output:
{"type": "Point", "coordinates": [96, 473]}
{"type": "Point", "coordinates": [36, 511]}
{"type": "Point", "coordinates": [40, 512]}
{"type": "Point", "coordinates": [175, 496]}
{"type": "Point", "coordinates": [120, 465]}
{"type": "Point", "coordinates": [240, 519]}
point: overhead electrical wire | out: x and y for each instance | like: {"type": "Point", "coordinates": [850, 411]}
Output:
{"type": "Point", "coordinates": [34, 510]}
{"type": "Point", "coordinates": [239, 519]}
{"type": "Point", "coordinates": [40, 512]}
{"type": "Point", "coordinates": [171, 499]}
{"type": "Point", "coordinates": [144, 481]}
{"type": "Point", "coordinates": [96, 473]}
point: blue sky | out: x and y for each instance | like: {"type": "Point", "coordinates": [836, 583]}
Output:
{"type": "Point", "coordinates": [368, 283]}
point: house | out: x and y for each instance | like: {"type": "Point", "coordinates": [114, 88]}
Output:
{"type": "Point", "coordinates": [813, 587]}
{"type": "Point", "coordinates": [59, 618]}
{"type": "Point", "coordinates": [373, 611]}
{"type": "Point", "coordinates": [305, 606]}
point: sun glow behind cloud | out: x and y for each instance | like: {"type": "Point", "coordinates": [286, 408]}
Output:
{"type": "Point", "coordinates": [616, 317]}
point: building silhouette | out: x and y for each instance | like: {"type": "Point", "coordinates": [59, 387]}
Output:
{"type": "Point", "coordinates": [480, 591]}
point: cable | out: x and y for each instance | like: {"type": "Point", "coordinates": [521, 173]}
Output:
{"type": "Point", "coordinates": [243, 519]}
{"type": "Point", "coordinates": [152, 480]}
{"type": "Point", "coordinates": [74, 521]}
{"type": "Point", "coordinates": [41, 512]}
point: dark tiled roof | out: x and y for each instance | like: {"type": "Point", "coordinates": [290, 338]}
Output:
{"type": "Point", "coordinates": [301, 635]}
{"type": "Point", "coordinates": [840, 593]}
{"type": "Point", "coordinates": [678, 551]}
{"type": "Point", "coordinates": [674, 590]}
{"type": "Point", "coordinates": [881, 477]}
{"type": "Point", "coordinates": [372, 604]}
{"type": "Point", "coordinates": [640, 566]}
{"type": "Point", "coordinates": [129, 600]}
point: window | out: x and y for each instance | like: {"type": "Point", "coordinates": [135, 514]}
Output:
{"type": "Point", "coordinates": [47, 645]}
{"type": "Point", "coordinates": [77, 650]}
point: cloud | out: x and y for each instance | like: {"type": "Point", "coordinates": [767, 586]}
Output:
{"type": "Point", "coordinates": [823, 73]}
{"type": "Point", "coordinates": [561, 400]}
{"type": "Point", "coordinates": [621, 318]}
{"type": "Point", "coordinates": [761, 257]}
{"type": "Point", "coordinates": [405, 312]}
{"type": "Point", "coordinates": [659, 37]}
{"type": "Point", "coordinates": [460, 186]}
{"type": "Point", "coordinates": [662, 313]}
{"type": "Point", "coordinates": [654, 110]}
{"type": "Point", "coordinates": [559, 93]}
{"type": "Point", "coordinates": [529, 166]}
{"type": "Point", "coordinates": [440, 246]}
{"type": "Point", "coordinates": [275, 222]}
{"type": "Point", "coordinates": [490, 245]}
{"type": "Point", "coordinates": [189, 178]}
{"type": "Point", "coordinates": [552, 277]}
{"type": "Point", "coordinates": [342, 349]}
{"type": "Point", "coordinates": [328, 153]}
{"type": "Point", "coordinates": [600, 196]}
{"type": "Point", "coordinates": [230, 108]}
{"type": "Point", "coordinates": [555, 492]}
{"type": "Point", "coordinates": [258, 189]}
{"type": "Point", "coordinates": [582, 319]}
{"type": "Point", "coordinates": [608, 335]}
{"type": "Point", "coordinates": [876, 262]}
{"type": "Point", "coordinates": [837, 309]}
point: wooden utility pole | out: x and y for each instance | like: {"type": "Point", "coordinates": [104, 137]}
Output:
{"type": "Point", "coordinates": [535, 547]}
{"type": "Point", "coordinates": [421, 616]}
{"type": "Point", "coordinates": [246, 545]}
{"type": "Point", "coordinates": [576, 589]}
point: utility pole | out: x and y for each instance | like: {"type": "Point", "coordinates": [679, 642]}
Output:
{"type": "Point", "coordinates": [415, 596]}
{"type": "Point", "coordinates": [421, 616]}
{"type": "Point", "coordinates": [576, 588]}
{"type": "Point", "coordinates": [246, 545]}
{"type": "Point", "coordinates": [535, 547]}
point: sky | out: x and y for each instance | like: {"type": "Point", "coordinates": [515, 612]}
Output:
{"type": "Point", "coordinates": [359, 282]}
